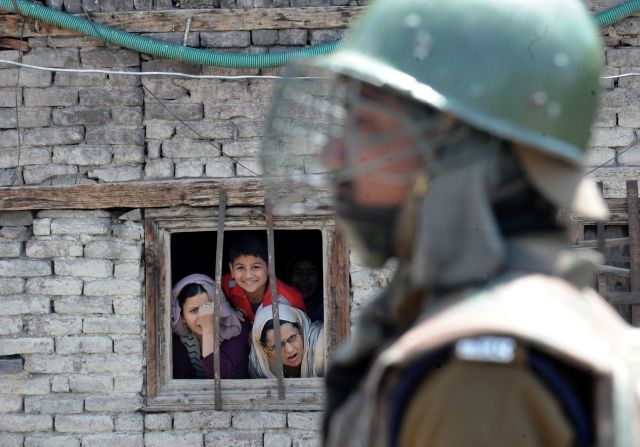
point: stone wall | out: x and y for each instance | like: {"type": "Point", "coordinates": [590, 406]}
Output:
{"type": "Point", "coordinates": [72, 282]}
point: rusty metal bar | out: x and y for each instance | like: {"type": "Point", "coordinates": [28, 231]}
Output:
{"type": "Point", "coordinates": [268, 214]}
{"type": "Point", "coordinates": [222, 207]}
{"type": "Point", "coordinates": [634, 239]}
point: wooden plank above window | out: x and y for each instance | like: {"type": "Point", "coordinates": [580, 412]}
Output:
{"type": "Point", "coordinates": [237, 19]}
{"type": "Point", "coordinates": [131, 195]}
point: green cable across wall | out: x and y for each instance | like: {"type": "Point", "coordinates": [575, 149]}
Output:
{"type": "Point", "coordinates": [206, 57]}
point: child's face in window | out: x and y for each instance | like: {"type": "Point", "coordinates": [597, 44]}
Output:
{"type": "Point", "coordinates": [250, 272]}
{"type": "Point", "coordinates": [305, 278]}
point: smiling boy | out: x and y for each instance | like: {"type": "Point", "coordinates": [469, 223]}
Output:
{"type": "Point", "coordinates": [247, 284]}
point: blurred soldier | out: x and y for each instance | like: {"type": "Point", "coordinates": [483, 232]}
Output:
{"type": "Point", "coordinates": [459, 133]}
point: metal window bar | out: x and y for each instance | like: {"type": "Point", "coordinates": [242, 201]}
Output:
{"type": "Point", "coordinates": [268, 214]}
{"type": "Point", "coordinates": [216, 302]}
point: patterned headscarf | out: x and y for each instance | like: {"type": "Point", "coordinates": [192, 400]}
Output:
{"type": "Point", "coordinates": [229, 323]}
{"type": "Point", "coordinates": [312, 336]}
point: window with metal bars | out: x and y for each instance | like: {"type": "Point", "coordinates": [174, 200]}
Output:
{"type": "Point", "coordinates": [179, 242]}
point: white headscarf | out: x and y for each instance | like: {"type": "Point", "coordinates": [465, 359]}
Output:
{"type": "Point", "coordinates": [312, 336]}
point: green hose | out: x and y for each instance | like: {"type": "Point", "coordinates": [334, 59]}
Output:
{"type": "Point", "coordinates": [159, 48]}
{"type": "Point", "coordinates": [619, 12]}
{"type": "Point", "coordinates": [198, 56]}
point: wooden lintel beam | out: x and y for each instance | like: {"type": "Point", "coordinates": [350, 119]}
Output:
{"type": "Point", "coordinates": [201, 20]}
{"type": "Point", "coordinates": [131, 195]}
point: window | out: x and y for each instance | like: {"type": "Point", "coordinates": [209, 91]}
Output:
{"type": "Point", "coordinates": [180, 241]}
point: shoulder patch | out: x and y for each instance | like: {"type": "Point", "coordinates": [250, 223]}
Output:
{"type": "Point", "coordinates": [493, 349]}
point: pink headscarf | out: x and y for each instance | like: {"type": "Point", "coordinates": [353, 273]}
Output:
{"type": "Point", "coordinates": [229, 323]}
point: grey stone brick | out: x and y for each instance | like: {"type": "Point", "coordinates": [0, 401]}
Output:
{"type": "Point", "coordinates": [19, 305]}
{"type": "Point", "coordinates": [113, 404]}
{"type": "Point", "coordinates": [205, 130]}
{"type": "Point", "coordinates": [113, 249]}
{"type": "Point", "coordinates": [53, 404]}
{"type": "Point", "coordinates": [53, 325]}
{"type": "Point", "coordinates": [235, 438]}
{"type": "Point", "coordinates": [72, 226]}
{"type": "Point", "coordinates": [618, 99]}
{"type": "Point", "coordinates": [48, 136]}
{"type": "Point", "coordinates": [11, 440]}
{"type": "Point", "coordinates": [116, 174]}
{"type": "Point", "coordinates": [173, 111]}
{"type": "Point", "coordinates": [73, 6]}
{"type": "Point", "coordinates": [83, 423]}
{"type": "Point", "coordinates": [27, 117]}
{"type": "Point", "coordinates": [10, 286]}
{"type": "Point", "coordinates": [166, 88]}
{"type": "Point", "coordinates": [161, 130]}
{"type": "Point", "coordinates": [34, 78]}
{"type": "Point", "coordinates": [10, 325]}
{"type": "Point", "coordinates": [111, 325]}
{"type": "Point", "coordinates": [630, 157]}
{"type": "Point", "coordinates": [129, 422]}
{"type": "Point", "coordinates": [113, 363]}
{"type": "Point", "coordinates": [309, 3]}
{"type": "Point", "coordinates": [36, 175]}
{"type": "Point", "coordinates": [319, 36]}
{"type": "Point", "coordinates": [193, 39]}
{"type": "Point", "coordinates": [109, 58]}
{"type": "Point", "coordinates": [128, 230]}
{"type": "Point", "coordinates": [10, 249]}
{"type": "Point", "coordinates": [128, 154]}
{"type": "Point", "coordinates": [612, 137]}
{"type": "Point", "coordinates": [305, 420]}
{"type": "Point", "coordinates": [108, 287]}
{"type": "Point", "coordinates": [100, 97]}
{"type": "Point", "coordinates": [66, 79]}
{"type": "Point", "coordinates": [153, 148]}
{"type": "Point", "coordinates": [15, 218]}
{"type": "Point", "coordinates": [128, 383]}
{"type": "Point", "coordinates": [124, 115]}
{"type": "Point", "coordinates": [115, 135]}
{"type": "Point", "coordinates": [131, 80]}
{"type": "Point", "coordinates": [25, 385]}
{"type": "Point", "coordinates": [202, 420]}
{"type": "Point", "coordinates": [243, 148]}
{"type": "Point", "coordinates": [10, 404]}
{"type": "Point", "coordinates": [131, 345]}
{"type": "Point", "coordinates": [83, 306]}
{"type": "Point", "coordinates": [292, 36]}
{"type": "Point", "coordinates": [623, 57]}
{"type": "Point", "coordinates": [128, 306]}
{"type": "Point", "coordinates": [71, 116]}
{"type": "Point", "coordinates": [83, 345]}
{"type": "Point", "coordinates": [51, 440]}
{"type": "Point", "coordinates": [24, 267]}
{"type": "Point", "coordinates": [9, 138]}
{"type": "Point", "coordinates": [225, 39]}
{"type": "Point", "coordinates": [54, 286]}
{"type": "Point", "coordinates": [188, 168]}
{"type": "Point", "coordinates": [158, 169]}
{"type": "Point", "coordinates": [85, 268]}
{"type": "Point", "coordinates": [113, 439]}
{"type": "Point", "coordinates": [54, 96]}
{"type": "Point", "coordinates": [11, 97]}
{"type": "Point", "coordinates": [265, 37]}
{"type": "Point", "coordinates": [629, 118]}
{"type": "Point", "coordinates": [53, 57]}
{"type": "Point", "coordinates": [157, 421]}
{"type": "Point", "coordinates": [307, 439]}
{"type": "Point", "coordinates": [19, 233]}
{"type": "Point", "coordinates": [11, 158]}
{"type": "Point", "coordinates": [74, 214]}
{"type": "Point", "coordinates": [42, 227]}
{"type": "Point", "coordinates": [276, 439]}
{"type": "Point", "coordinates": [91, 383]}
{"type": "Point", "coordinates": [60, 384]}
{"type": "Point", "coordinates": [190, 149]}
{"type": "Point", "coordinates": [258, 419]}
{"type": "Point", "coordinates": [83, 155]}
{"type": "Point", "coordinates": [53, 246]}
{"type": "Point", "coordinates": [248, 129]}
{"type": "Point", "coordinates": [30, 345]}
{"type": "Point", "coordinates": [25, 423]}
{"type": "Point", "coordinates": [605, 118]}
{"type": "Point", "coordinates": [220, 168]}
{"type": "Point", "coordinates": [173, 438]}
{"type": "Point", "coordinates": [247, 167]}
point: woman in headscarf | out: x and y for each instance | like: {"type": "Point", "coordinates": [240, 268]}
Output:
{"type": "Point", "coordinates": [192, 320]}
{"type": "Point", "coordinates": [301, 342]}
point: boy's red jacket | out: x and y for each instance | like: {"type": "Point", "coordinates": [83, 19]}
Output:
{"type": "Point", "coordinates": [238, 297]}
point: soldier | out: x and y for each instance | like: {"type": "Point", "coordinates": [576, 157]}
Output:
{"type": "Point", "coordinates": [455, 132]}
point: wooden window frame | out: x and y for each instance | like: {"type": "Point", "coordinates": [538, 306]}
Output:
{"type": "Point", "coordinates": [166, 394]}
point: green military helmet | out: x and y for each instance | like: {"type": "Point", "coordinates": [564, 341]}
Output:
{"type": "Point", "coordinates": [525, 70]}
